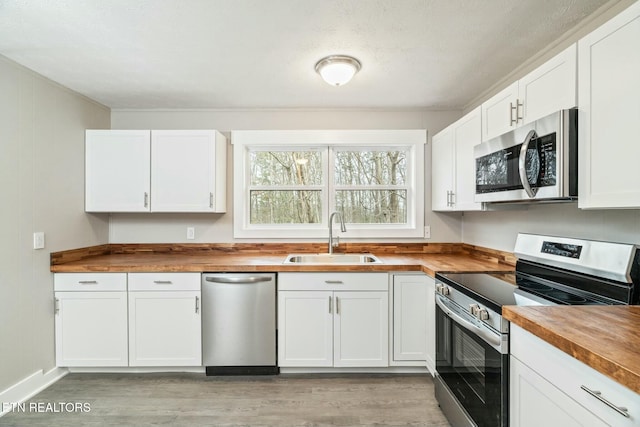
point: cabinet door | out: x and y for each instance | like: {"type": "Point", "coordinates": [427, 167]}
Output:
{"type": "Point", "coordinates": [550, 87]}
{"type": "Point", "coordinates": [165, 329]}
{"type": "Point", "coordinates": [497, 114]}
{"type": "Point", "coordinates": [534, 402]}
{"type": "Point", "coordinates": [305, 328]}
{"type": "Point", "coordinates": [91, 329]}
{"type": "Point", "coordinates": [467, 134]}
{"type": "Point", "coordinates": [183, 171]}
{"type": "Point", "coordinates": [361, 329]}
{"type": "Point", "coordinates": [608, 93]}
{"type": "Point", "coordinates": [117, 170]}
{"type": "Point", "coordinates": [410, 318]}
{"type": "Point", "coordinates": [442, 170]}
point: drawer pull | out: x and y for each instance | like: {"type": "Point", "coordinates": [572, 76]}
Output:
{"type": "Point", "coordinates": [337, 306]}
{"type": "Point", "coordinates": [333, 282]}
{"type": "Point", "coordinates": [162, 282]}
{"type": "Point", "coordinates": [88, 282]}
{"type": "Point", "coordinates": [197, 305]}
{"type": "Point", "coordinates": [56, 306]}
{"type": "Point", "coordinates": [598, 395]}
{"type": "Point", "coordinates": [330, 303]}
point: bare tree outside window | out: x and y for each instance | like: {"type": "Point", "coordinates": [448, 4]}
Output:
{"type": "Point", "coordinates": [284, 187]}
{"type": "Point", "coordinates": [369, 186]}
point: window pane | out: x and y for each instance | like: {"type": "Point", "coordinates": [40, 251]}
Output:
{"type": "Point", "coordinates": [286, 207]}
{"type": "Point", "coordinates": [370, 167]}
{"type": "Point", "coordinates": [285, 167]}
{"type": "Point", "coordinates": [373, 206]}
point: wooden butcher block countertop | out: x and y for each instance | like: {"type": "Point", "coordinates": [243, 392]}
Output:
{"type": "Point", "coordinates": [606, 338]}
{"type": "Point", "coordinates": [427, 258]}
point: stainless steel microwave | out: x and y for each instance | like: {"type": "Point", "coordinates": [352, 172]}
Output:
{"type": "Point", "coordinates": [536, 162]}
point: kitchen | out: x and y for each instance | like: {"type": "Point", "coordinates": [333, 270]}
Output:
{"type": "Point", "coordinates": [44, 189]}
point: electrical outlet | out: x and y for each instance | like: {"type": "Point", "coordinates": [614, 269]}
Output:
{"type": "Point", "coordinates": [427, 231]}
{"type": "Point", "coordinates": [38, 240]}
{"type": "Point", "coordinates": [191, 233]}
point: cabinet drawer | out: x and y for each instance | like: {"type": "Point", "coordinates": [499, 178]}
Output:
{"type": "Point", "coordinates": [88, 282]}
{"type": "Point", "coordinates": [569, 375]}
{"type": "Point", "coordinates": [333, 282]}
{"type": "Point", "coordinates": [164, 281]}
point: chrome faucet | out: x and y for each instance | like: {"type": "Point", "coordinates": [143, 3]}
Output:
{"type": "Point", "coordinates": [342, 228]}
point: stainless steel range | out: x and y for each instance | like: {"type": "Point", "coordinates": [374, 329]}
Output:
{"type": "Point", "coordinates": [472, 338]}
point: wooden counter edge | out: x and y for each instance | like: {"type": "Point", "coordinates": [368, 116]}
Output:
{"type": "Point", "coordinates": [589, 357]}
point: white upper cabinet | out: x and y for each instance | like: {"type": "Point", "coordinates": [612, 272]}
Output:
{"type": "Point", "coordinates": [155, 171]}
{"type": "Point", "coordinates": [609, 89]}
{"type": "Point", "coordinates": [117, 170]}
{"type": "Point", "coordinates": [550, 87]}
{"type": "Point", "coordinates": [187, 171]}
{"type": "Point", "coordinates": [442, 170]}
{"type": "Point", "coordinates": [453, 165]}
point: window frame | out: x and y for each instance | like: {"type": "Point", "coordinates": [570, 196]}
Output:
{"type": "Point", "coordinates": [412, 140]}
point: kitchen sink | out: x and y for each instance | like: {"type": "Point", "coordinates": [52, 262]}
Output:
{"type": "Point", "coordinates": [332, 259]}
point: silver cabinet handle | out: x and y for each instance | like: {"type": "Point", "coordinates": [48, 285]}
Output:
{"type": "Point", "coordinates": [452, 199]}
{"type": "Point", "coordinates": [56, 306]}
{"type": "Point", "coordinates": [337, 306]}
{"type": "Point", "coordinates": [518, 105]}
{"type": "Point", "coordinates": [598, 395]}
{"type": "Point", "coordinates": [330, 303]}
{"type": "Point", "coordinates": [211, 200]}
{"type": "Point", "coordinates": [522, 167]}
{"type": "Point", "coordinates": [197, 304]}
{"type": "Point", "coordinates": [88, 282]}
{"type": "Point", "coordinates": [333, 282]}
{"type": "Point", "coordinates": [163, 282]}
{"type": "Point", "coordinates": [513, 109]}
{"type": "Point", "coordinates": [146, 199]}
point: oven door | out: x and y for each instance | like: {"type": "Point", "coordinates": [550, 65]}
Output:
{"type": "Point", "coordinates": [472, 368]}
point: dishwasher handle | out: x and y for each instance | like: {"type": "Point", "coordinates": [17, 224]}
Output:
{"type": "Point", "coordinates": [238, 279]}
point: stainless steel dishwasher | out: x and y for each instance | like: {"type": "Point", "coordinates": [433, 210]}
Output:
{"type": "Point", "coordinates": [239, 323]}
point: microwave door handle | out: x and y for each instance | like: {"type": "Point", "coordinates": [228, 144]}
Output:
{"type": "Point", "coordinates": [522, 167]}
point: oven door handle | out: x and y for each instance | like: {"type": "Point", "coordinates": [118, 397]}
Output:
{"type": "Point", "coordinates": [522, 165]}
{"type": "Point", "coordinates": [488, 337]}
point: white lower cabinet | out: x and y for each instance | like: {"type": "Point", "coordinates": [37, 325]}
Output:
{"type": "Point", "coordinates": [91, 319]}
{"type": "Point", "coordinates": [164, 319]}
{"type": "Point", "coordinates": [547, 387]}
{"type": "Point", "coordinates": [410, 318]}
{"type": "Point", "coordinates": [100, 324]}
{"type": "Point", "coordinates": [333, 320]}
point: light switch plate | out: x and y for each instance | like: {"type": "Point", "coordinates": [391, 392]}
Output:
{"type": "Point", "coordinates": [38, 240]}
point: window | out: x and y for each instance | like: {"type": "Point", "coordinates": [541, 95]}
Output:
{"type": "Point", "coordinates": [287, 183]}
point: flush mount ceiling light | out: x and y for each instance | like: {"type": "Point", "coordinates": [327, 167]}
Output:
{"type": "Point", "coordinates": [337, 70]}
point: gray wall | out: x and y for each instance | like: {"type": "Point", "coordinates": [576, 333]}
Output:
{"type": "Point", "coordinates": [41, 189]}
{"type": "Point", "coordinates": [129, 228]}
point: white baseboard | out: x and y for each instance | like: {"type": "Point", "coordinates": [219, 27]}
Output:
{"type": "Point", "coordinates": [29, 387]}
{"type": "Point", "coordinates": [137, 370]}
{"type": "Point", "coordinates": [384, 370]}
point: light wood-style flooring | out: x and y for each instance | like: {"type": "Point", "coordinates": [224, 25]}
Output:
{"type": "Point", "coordinates": [195, 400]}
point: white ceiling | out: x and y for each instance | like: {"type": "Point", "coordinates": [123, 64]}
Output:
{"type": "Point", "coordinates": [261, 53]}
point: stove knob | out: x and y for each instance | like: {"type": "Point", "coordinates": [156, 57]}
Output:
{"type": "Point", "coordinates": [473, 309]}
{"type": "Point", "coordinates": [445, 290]}
{"type": "Point", "coordinates": [438, 288]}
{"type": "Point", "coordinates": [483, 314]}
